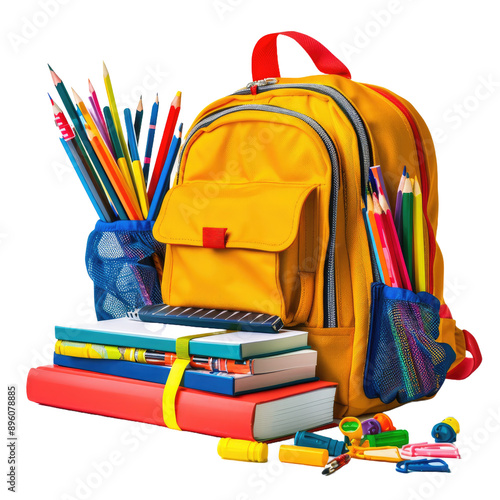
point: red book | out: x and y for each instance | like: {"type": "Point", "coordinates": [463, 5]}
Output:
{"type": "Point", "coordinates": [262, 416]}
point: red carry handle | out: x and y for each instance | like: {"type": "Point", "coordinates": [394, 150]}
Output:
{"type": "Point", "coordinates": [468, 365]}
{"type": "Point", "coordinates": [265, 56]}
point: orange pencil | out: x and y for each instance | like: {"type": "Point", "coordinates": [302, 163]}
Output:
{"type": "Point", "coordinates": [394, 242]}
{"type": "Point", "coordinates": [166, 139]}
{"type": "Point", "coordinates": [115, 176]}
{"type": "Point", "coordinates": [376, 237]}
{"type": "Point", "coordinates": [393, 273]}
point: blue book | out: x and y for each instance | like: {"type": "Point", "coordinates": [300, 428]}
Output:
{"type": "Point", "coordinates": [202, 380]}
{"type": "Point", "coordinates": [162, 337]}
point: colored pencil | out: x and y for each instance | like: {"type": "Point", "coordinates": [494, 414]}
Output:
{"type": "Point", "coordinates": [151, 136]}
{"type": "Point", "coordinates": [115, 176]}
{"type": "Point", "coordinates": [394, 242]}
{"type": "Point", "coordinates": [97, 106]}
{"type": "Point", "coordinates": [397, 210]}
{"type": "Point", "coordinates": [87, 116]}
{"type": "Point", "coordinates": [62, 123]}
{"type": "Point", "coordinates": [386, 246]}
{"type": "Point", "coordinates": [66, 99]}
{"type": "Point", "coordinates": [120, 157]}
{"type": "Point", "coordinates": [164, 182]}
{"type": "Point", "coordinates": [166, 140]}
{"type": "Point", "coordinates": [94, 190]}
{"type": "Point", "coordinates": [418, 239]}
{"type": "Point", "coordinates": [85, 174]}
{"type": "Point", "coordinates": [138, 120]}
{"type": "Point", "coordinates": [127, 173]}
{"type": "Point", "coordinates": [136, 163]}
{"type": "Point", "coordinates": [379, 179]}
{"type": "Point", "coordinates": [94, 112]}
{"type": "Point", "coordinates": [407, 226]}
{"type": "Point", "coordinates": [371, 241]}
{"type": "Point", "coordinates": [377, 239]}
{"type": "Point", "coordinates": [82, 136]}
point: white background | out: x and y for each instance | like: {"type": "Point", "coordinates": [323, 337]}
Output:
{"type": "Point", "coordinates": [441, 56]}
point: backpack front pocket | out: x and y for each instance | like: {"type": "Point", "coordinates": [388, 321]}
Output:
{"type": "Point", "coordinates": [248, 247]}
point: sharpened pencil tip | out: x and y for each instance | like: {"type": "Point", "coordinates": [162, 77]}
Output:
{"type": "Point", "coordinates": [104, 70]}
{"type": "Point", "coordinates": [50, 67]}
{"type": "Point", "coordinates": [157, 101]}
{"type": "Point", "coordinates": [180, 128]}
{"type": "Point", "coordinates": [76, 96]}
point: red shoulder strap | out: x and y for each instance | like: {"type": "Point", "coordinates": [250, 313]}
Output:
{"type": "Point", "coordinates": [468, 365]}
{"type": "Point", "coordinates": [265, 56]}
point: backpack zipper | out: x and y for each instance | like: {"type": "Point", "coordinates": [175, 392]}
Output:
{"type": "Point", "coordinates": [330, 300]}
{"type": "Point", "coordinates": [364, 145]}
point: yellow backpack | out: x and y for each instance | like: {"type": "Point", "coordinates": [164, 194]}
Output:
{"type": "Point", "coordinates": [266, 215]}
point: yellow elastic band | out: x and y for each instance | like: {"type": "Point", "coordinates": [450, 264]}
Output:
{"type": "Point", "coordinates": [175, 378]}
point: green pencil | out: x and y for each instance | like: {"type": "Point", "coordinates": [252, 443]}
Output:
{"type": "Point", "coordinates": [407, 227]}
{"type": "Point", "coordinates": [112, 132]}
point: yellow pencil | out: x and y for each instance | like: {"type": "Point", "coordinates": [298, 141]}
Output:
{"type": "Point", "coordinates": [418, 238]}
{"type": "Point", "coordinates": [127, 173]}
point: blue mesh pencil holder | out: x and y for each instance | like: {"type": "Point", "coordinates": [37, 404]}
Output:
{"type": "Point", "coordinates": [404, 360]}
{"type": "Point", "coordinates": [125, 263]}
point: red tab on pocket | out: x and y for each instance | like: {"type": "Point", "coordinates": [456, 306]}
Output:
{"type": "Point", "coordinates": [214, 237]}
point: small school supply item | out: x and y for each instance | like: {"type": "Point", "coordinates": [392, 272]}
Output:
{"type": "Point", "coordinates": [336, 464]}
{"type": "Point", "coordinates": [352, 429]}
{"type": "Point", "coordinates": [312, 440]}
{"type": "Point", "coordinates": [384, 421]}
{"type": "Point", "coordinates": [423, 465]}
{"type": "Point", "coordinates": [243, 450]}
{"type": "Point", "coordinates": [268, 215]}
{"type": "Point", "coordinates": [435, 450]}
{"type": "Point", "coordinates": [446, 431]}
{"type": "Point", "coordinates": [301, 455]}
{"type": "Point", "coordinates": [397, 438]}
{"type": "Point", "coordinates": [211, 318]}
{"type": "Point", "coordinates": [371, 426]}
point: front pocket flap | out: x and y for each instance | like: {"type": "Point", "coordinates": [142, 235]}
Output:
{"type": "Point", "coordinates": [259, 216]}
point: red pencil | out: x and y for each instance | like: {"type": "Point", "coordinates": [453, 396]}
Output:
{"type": "Point", "coordinates": [386, 244]}
{"type": "Point", "coordinates": [166, 139]}
{"type": "Point", "coordinates": [394, 241]}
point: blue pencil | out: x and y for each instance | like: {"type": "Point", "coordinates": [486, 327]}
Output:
{"type": "Point", "coordinates": [371, 241]}
{"type": "Point", "coordinates": [132, 140]}
{"type": "Point", "coordinates": [164, 181]}
{"type": "Point", "coordinates": [151, 136]}
{"type": "Point", "coordinates": [104, 212]}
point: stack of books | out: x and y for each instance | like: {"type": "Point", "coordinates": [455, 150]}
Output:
{"type": "Point", "coordinates": [244, 385]}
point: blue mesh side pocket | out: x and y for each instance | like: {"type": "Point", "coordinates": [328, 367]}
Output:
{"type": "Point", "coordinates": [404, 361]}
{"type": "Point", "coordinates": [124, 261]}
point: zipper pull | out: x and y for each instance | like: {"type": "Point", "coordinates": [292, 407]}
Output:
{"type": "Point", "coordinates": [261, 83]}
